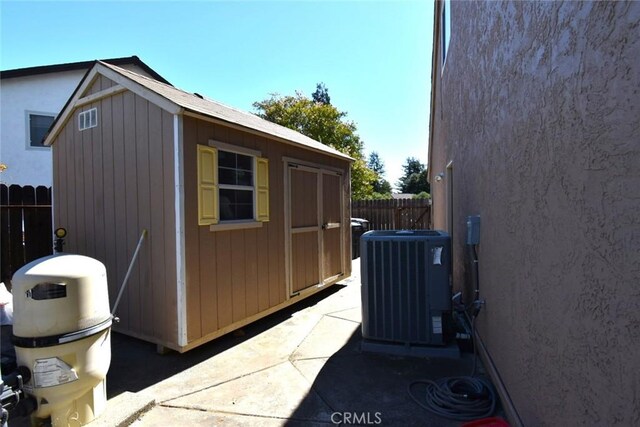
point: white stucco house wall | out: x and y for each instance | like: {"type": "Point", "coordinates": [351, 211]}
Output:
{"type": "Point", "coordinates": [30, 98]}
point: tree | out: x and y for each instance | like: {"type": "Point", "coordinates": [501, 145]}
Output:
{"type": "Point", "coordinates": [381, 185]}
{"type": "Point", "coordinates": [321, 94]}
{"type": "Point", "coordinates": [376, 164]}
{"type": "Point", "coordinates": [414, 180]}
{"type": "Point", "coordinates": [325, 123]}
{"type": "Point", "coordinates": [422, 195]}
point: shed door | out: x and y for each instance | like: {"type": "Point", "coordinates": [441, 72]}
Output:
{"type": "Point", "coordinates": [315, 227]}
{"type": "Point", "coordinates": [331, 226]}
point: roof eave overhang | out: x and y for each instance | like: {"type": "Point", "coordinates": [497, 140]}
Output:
{"type": "Point", "coordinates": [206, 117]}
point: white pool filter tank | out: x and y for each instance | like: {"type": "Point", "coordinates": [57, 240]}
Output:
{"type": "Point", "coordinates": [61, 332]}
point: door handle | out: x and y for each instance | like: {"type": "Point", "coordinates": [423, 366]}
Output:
{"type": "Point", "coordinates": [330, 225]}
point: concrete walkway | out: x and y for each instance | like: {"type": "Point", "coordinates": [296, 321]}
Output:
{"type": "Point", "coordinates": [302, 366]}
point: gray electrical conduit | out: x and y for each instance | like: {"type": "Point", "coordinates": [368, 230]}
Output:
{"type": "Point", "coordinates": [126, 277]}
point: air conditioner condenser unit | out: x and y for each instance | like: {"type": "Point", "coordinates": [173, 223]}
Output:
{"type": "Point", "coordinates": [406, 288]}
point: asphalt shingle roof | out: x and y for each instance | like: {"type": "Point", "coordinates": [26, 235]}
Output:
{"type": "Point", "coordinates": [210, 108]}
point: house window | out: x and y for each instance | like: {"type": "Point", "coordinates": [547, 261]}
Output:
{"type": "Point", "coordinates": [233, 187]}
{"type": "Point", "coordinates": [39, 124]}
{"type": "Point", "coordinates": [235, 175]}
{"type": "Point", "coordinates": [88, 119]}
{"type": "Point", "coordinates": [445, 27]}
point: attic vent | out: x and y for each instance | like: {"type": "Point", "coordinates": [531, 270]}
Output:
{"type": "Point", "coordinates": [88, 119]}
{"type": "Point", "coordinates": [198, 95]}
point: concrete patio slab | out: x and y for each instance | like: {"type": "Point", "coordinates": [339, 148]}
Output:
{"type": "Point", "coordinates": [328, 336]}
{"type": "Point", "coordinates": [254, 354]}
{"type": "Point", "coordinates": [275, 392]}
{"type": "Point", "coordinates": [300, 367]}
{"type": "Point", "coordinates": [171, 416]}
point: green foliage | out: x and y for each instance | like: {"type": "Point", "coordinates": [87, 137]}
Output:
{"type": "Point", "coordinates": [321, 94]}
{"type": "Point", "coordinates": [380, 196]}
{"type": "Point", "coordinates": [381, 185]}
{"type": "Point", "coordinates": [362, 179]}
{"type": "Point", "coordinates": [325, 123]}
{"type": "Point", "coordinates": [422, 195]}
{"type": "Point", "coordinates": [376, 164]}
{"type": "Point", "coordinates": [414, 180]}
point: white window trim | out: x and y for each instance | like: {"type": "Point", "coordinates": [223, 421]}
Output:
{"type": "Point", "coordinates": [242, 223]}
{"type": "Point", "coordinates": [27, 131]}
{"type": "Point", "coordinates": [91, 112]}
{"type": "Point", "coordinates": [235, 225]}
{"type": "Point", "coordinates": [234, 148]}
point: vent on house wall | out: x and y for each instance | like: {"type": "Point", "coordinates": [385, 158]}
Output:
{"type": "Point", "coordinates": [88, 119]}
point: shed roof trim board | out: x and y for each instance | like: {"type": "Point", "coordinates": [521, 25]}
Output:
{"type": "Point", "coordinates": [178, 101]}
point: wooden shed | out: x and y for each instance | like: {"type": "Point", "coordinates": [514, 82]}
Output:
{"type": "Point", "coordinates": [244, 216]}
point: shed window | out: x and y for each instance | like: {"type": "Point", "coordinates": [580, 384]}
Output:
{"type": "Point", "coordinates": [232, 187]}
{"type": "Point", "coordinates": [88, 119]}
{"type": "Point", "coordinates": [235, 175]}
{"type": "Point", "coordinates": [39, 124]}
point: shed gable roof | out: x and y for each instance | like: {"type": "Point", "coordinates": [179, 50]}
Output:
{"type": "Point", "coordinates": [214, 109]}
{"type": "Point", "coordinates": [178, 101]}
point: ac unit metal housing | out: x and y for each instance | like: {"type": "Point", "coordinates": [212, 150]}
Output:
{"type": "Point", "coordinates": [406, 289]}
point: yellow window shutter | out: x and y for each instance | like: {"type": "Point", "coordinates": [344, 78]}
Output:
{"type": "Point", "coordinates": [262, 186]}
{"type": "Point", "coordinates": [207, 185]}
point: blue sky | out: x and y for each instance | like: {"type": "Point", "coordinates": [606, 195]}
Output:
{"type": "Point", "coordinates": [373, 56]}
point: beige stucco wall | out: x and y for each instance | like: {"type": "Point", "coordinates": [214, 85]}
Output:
{"type": "Point", "coordinates": [538, 107]}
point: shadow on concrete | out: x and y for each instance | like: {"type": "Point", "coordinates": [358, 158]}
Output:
{"type": "Point", "coordinates": [136, 365]}
{"type": "Point", "coordinates": [361, 388]}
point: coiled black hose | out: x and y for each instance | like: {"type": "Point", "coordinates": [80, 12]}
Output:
{"type": "Point", "coordinates": [457, 398]}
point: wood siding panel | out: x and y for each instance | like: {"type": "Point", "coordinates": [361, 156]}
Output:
{"type": "Point", "coordinates": [208, 283]}
{"type": "Point", "coordinates": [232, 275]}
{"type": "Point", "coordinates": [88, 238]}
{"type": "Point", "coordinates": [97, 187]}
{"type": "Point", "coordinates": [238, 285]}
{"type": "Point", "coordinates": [277, 282]}
{"type": "Point", "coordinates": [145, 286]}
{"type": "Point", "coordinates": [120, 186]}
{"type": "Point", "coordinates": [72, 227]}
{"type": "Point", "coordinates": [251, 273]}
{"type": "Point", "coordinates": [262, 248]}
{"type": "Point", "coordinates": [110, 235]}
{"type": "Point", "coordinates": [223, 278]}
{"type": "Point", "coordinates": [94, 87]}
{"type": "Point", "coordinates": [79, 158]}
{"type": "Point", "coordinates": [156, 236]}
{"type": "Point", "coordinates": [131, 206]}
{"type": "Point", "coordinates": [111, 182]}
{"type": "Point", "coordinates": [192, 241]}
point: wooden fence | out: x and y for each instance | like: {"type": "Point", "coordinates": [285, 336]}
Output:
{"type": "Point", "coordinates": [393, 214]}
{"type": "Point", "coordinates": [25, 227]}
